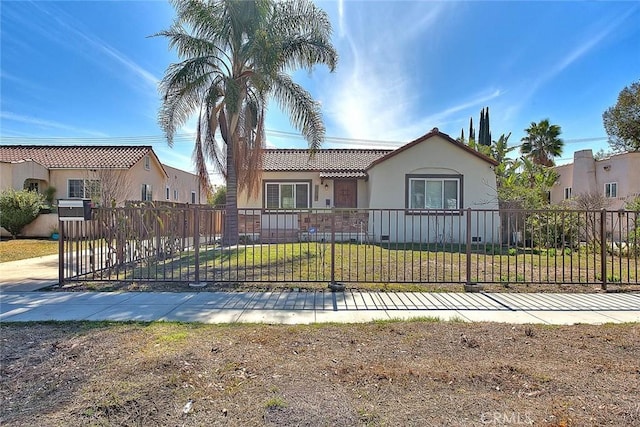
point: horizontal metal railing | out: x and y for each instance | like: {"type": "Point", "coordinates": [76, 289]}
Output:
{"type": "Point", "coordinates": [169, 244]}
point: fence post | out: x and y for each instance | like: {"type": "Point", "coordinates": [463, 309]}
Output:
{"type": "Point", "coordinates": [468, 251]}
{"type": "Point", "coordinates": [333, 285]}
{"type": "Point", "coordinates": [196, 242]}
{"type": "Point", "coordinates": [61, 238]}
{"type": "Point", "coordinates": [603, 249]}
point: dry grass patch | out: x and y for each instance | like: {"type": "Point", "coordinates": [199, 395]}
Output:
{"type": "Point", "coordinates": [17, 249]}
{"type": "Point", "coordinates": [386, 373]}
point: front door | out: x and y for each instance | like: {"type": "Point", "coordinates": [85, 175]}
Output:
{"type": "Point", "coordinates": [345, 193]}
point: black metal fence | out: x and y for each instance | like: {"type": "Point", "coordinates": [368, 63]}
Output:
{"type": "Point", "coordinates": [168, 244]}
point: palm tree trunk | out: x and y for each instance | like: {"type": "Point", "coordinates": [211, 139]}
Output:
{"type": "Point", "coordinates": [231, 218]}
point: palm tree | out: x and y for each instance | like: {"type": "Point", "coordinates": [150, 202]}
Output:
{"type": "Point", "coordinates": [542, 143]}
{"type": "Point", "coordinates": [235, 57]}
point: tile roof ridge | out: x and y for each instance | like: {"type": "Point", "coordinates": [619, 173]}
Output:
{"type": "Point", "coordinates": [327, 149]}
{"type": "Point", "coordinates": [71, 146]}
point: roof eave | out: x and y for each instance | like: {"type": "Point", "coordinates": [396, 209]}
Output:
{"type": "Point", "coordinates": [434, 132]}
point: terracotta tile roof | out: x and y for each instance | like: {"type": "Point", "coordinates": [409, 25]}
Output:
{"type": "Point", "coordinates": [335, 162]}
{"type": "Point", "coordinates": [73, 156]}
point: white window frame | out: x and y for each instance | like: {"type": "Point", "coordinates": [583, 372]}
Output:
{"type": "Point", "coordinates": [87, 186]}
{"type": "Point", "coordinates": [567, 193]}
{"type": "Point", "coordinates": [411, 202]}
{"type": "Point", "coordinates": [193, 197]}
{"type": "Point", "coordinates": [147, 162]}
{"type": "Point", "coordinates": [146, 194]}
{"type": "Point", "coordinates": [611, 190]}
{"type": "Point", "coordinates": [175, 194]}
{"type": "Point", "coordinates": [295, 203]}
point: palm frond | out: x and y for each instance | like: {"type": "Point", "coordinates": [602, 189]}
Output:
{"type": "Point", "coordinates": [304, 112]}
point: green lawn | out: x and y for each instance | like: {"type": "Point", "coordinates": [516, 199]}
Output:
{"type": "Point", "coordinates": [13, 250]}
{"type": "Point", "coordinates": [294, 262]}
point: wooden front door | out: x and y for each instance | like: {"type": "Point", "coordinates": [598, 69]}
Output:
{"type": "Point", "coordinates": [345, 193]}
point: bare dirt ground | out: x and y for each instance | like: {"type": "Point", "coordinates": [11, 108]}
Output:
{"type": "Point", "coordinates": [420, 373]}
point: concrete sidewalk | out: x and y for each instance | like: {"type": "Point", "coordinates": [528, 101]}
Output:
{"type": "Point", "coordinates": [318, 307]}
{"type": "Point", "coordinates": [29, 274]}
{"type": "Point", "coordinates": [20, 303]}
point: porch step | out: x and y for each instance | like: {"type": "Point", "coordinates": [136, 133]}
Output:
{"type": "Point", "coordinates": [279, 236]}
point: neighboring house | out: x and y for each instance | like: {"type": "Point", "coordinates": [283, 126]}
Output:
{"type": "Point", "coordinates": [616, 178]}
{"type": "Point", "coordinates": [409, 183]}
{"type": "Point", "coordinates": [105, 174]}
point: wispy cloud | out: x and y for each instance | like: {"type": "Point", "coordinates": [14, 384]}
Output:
{"type": "Point", "coordinates": [47, 124]}
{"type": "Point", "coordinates": [373, 96]}
{"type": "Point", "coordinates": [69, 32]}
{"type": "Point", "coordinates": [592, 39]}
{"type": "Point", "coordinates": [341, 18]}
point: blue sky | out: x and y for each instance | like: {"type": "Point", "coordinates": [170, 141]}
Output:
{"type": "Point", "coordinates": [86, 71]}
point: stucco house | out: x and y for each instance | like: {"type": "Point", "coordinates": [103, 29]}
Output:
{"type": "Point", "coordinates": [616, 178]}
{"type": "Point", "coordinates": [404, 195]}
{"type": "Point", "coordinates": [107, 175]}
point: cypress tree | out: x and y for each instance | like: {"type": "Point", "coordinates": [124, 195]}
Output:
{"type": "Point", "coordinates": [472, 132]}
{"type": "Point", "coordinates": [487, 131]}
{"type": "Point", "coordinates": [481, 131]}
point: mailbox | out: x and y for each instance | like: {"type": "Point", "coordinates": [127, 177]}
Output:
{"type": "Point", "coordinates": [74, 209]}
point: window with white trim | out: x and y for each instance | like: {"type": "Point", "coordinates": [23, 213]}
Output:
{"type": "Point", "coordinates": [193, 197]}
{"type": "Point", "coordinates": [433, 192]}
{"type": "Point", "coordinates": [611, 190]}
{"type": "Point", "coordinates": [567, 193]}
{"type": "Point", "coordinates": [147, 193]}
{"type": "Point", "coordinates": [286, 195]}
{"type": "Point", "coordinates": [83, 189]}
{"type": "Point", "coordinates": [147, 162]}
{"type": "Point", "coordinates": [175, 194]}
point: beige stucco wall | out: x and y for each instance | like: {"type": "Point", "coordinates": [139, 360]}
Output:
{"type": "Point", "coordinates": [565, 179]}
{"type": "Point", "coordinates": [433, 156]}
{"type": "Point", "coordinates": [42, 226]}
{"type": "Point", "coordinates": [155, 176]}
{"type": "Point", "coordinates": [6, 180]}
{"type": "Point", "coordinates": [14, 175]}
{"type": "Point", "coordinates": [387, 188]}
{"type": "Point", "coordinates": [624, 169]}
{"type": "Point", "coordinates": [134, 178]}
{"type": "Point", "coordinates": [324, 194]}
{"type": "Point", "coordinates": [184, 182]}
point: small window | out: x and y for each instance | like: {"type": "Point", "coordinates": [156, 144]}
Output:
{"type": "Point", "coordinates": [175, 194]}
{"type": "Point", "coordinates": [567, 193]}
{"type": "Point", "coordinates": [286, 195]}
{"type": "Point", "coordinates": [75, 188]}
{"type": "Point", "coordinates": [147, 162]}
{"type": "Point", "coordinates": [147, 193]}
{"type": "Point", "coordinates": [168, 193]}
{"type": "Point", "coordinates": [32, 186]}
{"type": "Point", "coordinates": [611, 190]}
{"type": "Point", "coordinates": [83, 189]}
{"type": "Point", "coordinates": [193, 197]}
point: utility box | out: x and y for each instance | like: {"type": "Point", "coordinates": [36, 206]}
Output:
{"type": "Point", "coordinates": [74, 209]}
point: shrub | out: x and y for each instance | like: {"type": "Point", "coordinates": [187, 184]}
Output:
{"type": "Point", "coordinates": [553, 227]}
{"type": "Point", "coordinates": [19, 208]}
{"type": "Point", "coordinates": [633, 245]}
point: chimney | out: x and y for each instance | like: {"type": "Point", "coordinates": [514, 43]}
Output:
{"type": "Point", "coordinates": [584, 173]}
